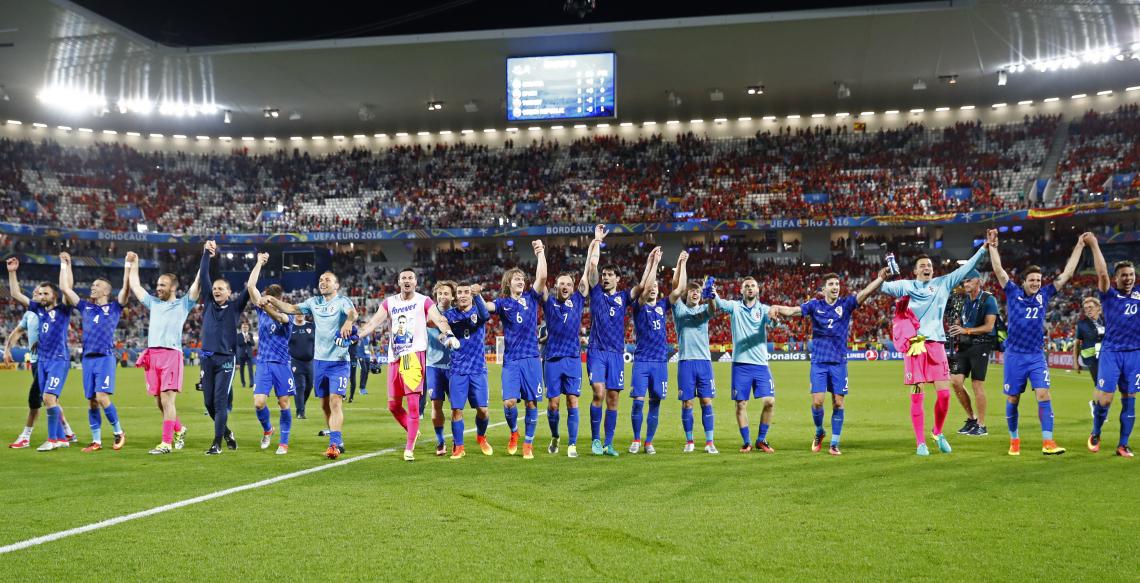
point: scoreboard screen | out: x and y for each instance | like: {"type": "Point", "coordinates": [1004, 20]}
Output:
{"type": "Point", "coordinates": [560, 87]}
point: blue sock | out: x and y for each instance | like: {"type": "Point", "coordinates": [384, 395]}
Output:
{"type": "Point", "coordinates": [638, 418]}
{"type": "Point", "coordinates": [263, 417]}
{"type": "Point", "coordinates": [530, 423]}
{"type": "Point", "coordinates": [113, 417]}
{"type": "Point", "coordinates": [572, 425]}
{"type": "Point", "coordinates": [286, 422]}
{"type": "Point", "coordinates": [55, 429]}
{"type": "Point", "coordinates": [481, 425]}
{"type": "Point", "coordinates": [511, 414]}
{"type": "Point", "coordinates": [1127, 419]}
{"type": "Point", "coordinates": [457, 432]}
{"type": "Point", "coordinates": [335, 438]}
{"type": "Point", "coordinates": [595, 423]}
{"type": "Point", "coordinates": [817, 419]}
{"type": "Point", "coordinates": [687, 422]}
{"type": "Point", "coordinates": [1045, 414]}
{"type": "Point", "coordinates": [763, 433]}
{"type": "Point", "coordinates": [836, 425]}
{"type": "Point", "coordinates": [1011, 418]}
{"type": "Point", "coordinates": [652, 419]}
{"type": "Point", "coordinates": [552, 419]}
{"type": "Point", "coordinates": [611, 425]}
{"type": "Point", "coordinates": [1100, 414]}
{"type": "Point", "coordinates": [746, 434]}
{"type": "Point", "coordinates": [438, 435]}
{"type": "Point", "coordinates": [707, 420]}
{"type": "Point", "coordinates": [95, 420]}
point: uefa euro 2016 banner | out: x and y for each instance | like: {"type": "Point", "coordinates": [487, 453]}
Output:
{"type": "Point", "coordinates": [692, 225]}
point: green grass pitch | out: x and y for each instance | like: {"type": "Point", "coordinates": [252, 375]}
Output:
{"type": "Point", "coordinates": [876, 513]}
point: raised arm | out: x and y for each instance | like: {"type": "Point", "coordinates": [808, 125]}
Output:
{"type": "Point", "coordinates": [955, 277]}
{"type": "Point", "coordinates": [680, 277]}
{"type": "Point", "coordinates": [203, 277]}
{"type": "Point", "coordinates": [125, 291]}
{"type": "Point", "coordinates": [874, 286]}
{"type": "Point", "coordinates": [375, 322]}
{"type": "Point", "coordinates": [14, 282]}
{"type": "Point", "coordinates": [251, 283]}
{"type": "Point", "coordinates": [1102, 280]}
{"type": "Point", "coordinates": [539, 271]}
{"type": "Point", "coordinates": [67, 280]}
{"type": "Point", "coordinates": [132, 268]}
{"type": "Point", "coordinates": [1071, 264]}
{"type": "Point", "coordinates": [584, 283]}
{"type": "Point", "coordinates": [995, 258]}
{"type": "Point", "coordinates": [595, 255]}
{"type": "Point", "coordinates": [639, 291]}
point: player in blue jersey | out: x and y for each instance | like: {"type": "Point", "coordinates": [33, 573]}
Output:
{"type": "Point", "coordinates": [1119, 365]}
{"type": "Point", "coordinates": [333, 317]}
{"type": "Point", "coordinates": [438, 361]}
{"type": "Point", "coordinates": [830, 324]}
{"type": "Point", "coordinates": [925, 361]}
{"type": "Point", "coordinates": [693, 306]}
{"type": "Point", "coordinates": [562, 368]}
{"type": "Point", "coordinates": [54, 356]}
{"type": "Point", "coordinates": [650, 356]}
{"type": "Point", "coordinates": [1025, 309]}
{"type": "Point", "coordinates": [605, 354]}
{"type": "Point", "coordinates": [30, 324]}
{"type": "Point", "coordinates": [522, 369]}
{"type": "Point", "coordinates": [100, 317]}
{"type": "Point", "coordinates": [751, 378]}
{"type": "Point", "coordinates": [467, 371]}
{"type": "Point", "coordinates": [273, 371]}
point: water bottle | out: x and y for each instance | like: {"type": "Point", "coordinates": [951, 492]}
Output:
{"type": "Point", "coordinates": [707, 292]}
{"type": "Point", "coordinates": [891, 263]}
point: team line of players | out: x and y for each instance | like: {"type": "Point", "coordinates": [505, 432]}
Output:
{"type": "Point", "coordinates": [445, 361]}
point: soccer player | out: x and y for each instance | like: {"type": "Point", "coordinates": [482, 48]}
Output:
{"type": "Point", "coordinates": [30, 324]}
{"type": "Point", "coordinates": [562, 369]}
{"type": "Point", "coordinates": [333, 315]}
{"type": "Point", "coordinates": [408, 313]}
{"type": "Point", "coordinates": [650, 356]}
{"type": "Point", "coordinates": [468, 366]}
{"type": "Point", "coordinates": [1090, 334]}
{"type": "Point", "coordinates": [751, 377]}
{"type": "Point", "coordinates": [272, 372]}
{"type": "Point", "coordinates": [162, 359]}
{"type": "Point", "coordinates": [301, 352]}
{"type": "Point", "coordinates": [220, 319]}
{"type": "Point", "coordinates": [693, 307]}
{"type": "Point", "coordinates": [54, 358]}
{"type": "Point", "coordinates": [100, 318]}
{"type": "Point", "coordinates": [830, 325]}
{"type": "Point", "coordinates": [438, 362]}
{"type": "Point", "coordinates": [1025, 307]}
{"type": "Point", "coordinates": [928, 364]}
{"type": "Point", "coordinates": [605, 355]}
{"type": "Point", "coordinates": [1119, 365]}
{"type": "Point", "coordinates": [522, 370]}
{"type": "Point", "coordinates": [973, 337]}
{"type": "Point", "coordinates": [245, 346]}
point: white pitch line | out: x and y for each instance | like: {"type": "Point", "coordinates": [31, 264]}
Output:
{"type": "Point", "coordinates": [47, 538]}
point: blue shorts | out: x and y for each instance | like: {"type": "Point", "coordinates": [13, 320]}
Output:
{"type": "Point", "coordinates": [1117, 369]}
{"type": "Point", "coordinates": [468, 389]}
{"type": "Point", "coordinates": [651, 378]}
{"type": "Point", "coordinates": [606, 367]}
{"type": "Point", "coordinates": [98, 375]}
{"type": "Point", "coordinates": [276, 376]}
{"type": "Point", "coordinates": [330, 377]}
{"type": "Point", "coordinates": [695, 378]}
{"type": "Point", "coordinates": [1020, 368]}
{"type": "Point", "coordinates": [826, 377]}
{"type": "Point", "coordinates": [522, 379]}
{"type": "Point", "coordinates": [53, 374]}
{"type": "Point", "coordinates": [752, 380]}
{"type": "Point", "coordinates": [436, 382]}
{"type": "Point", "coordinates": [563, 376]}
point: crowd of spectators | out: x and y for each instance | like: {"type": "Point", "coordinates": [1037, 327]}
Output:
{"type": "Point", "coordinates": [1100, 146]}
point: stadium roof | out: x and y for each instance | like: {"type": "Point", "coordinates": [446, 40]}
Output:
{"type": "Point", "coordinates": [343, 81]}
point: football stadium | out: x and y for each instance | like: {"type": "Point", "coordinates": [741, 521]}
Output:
{"type": "Point", "coordinates": [508, 290]}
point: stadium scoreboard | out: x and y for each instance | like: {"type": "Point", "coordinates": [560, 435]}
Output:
{"type": "Point", "coordinates": [560, 87]}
